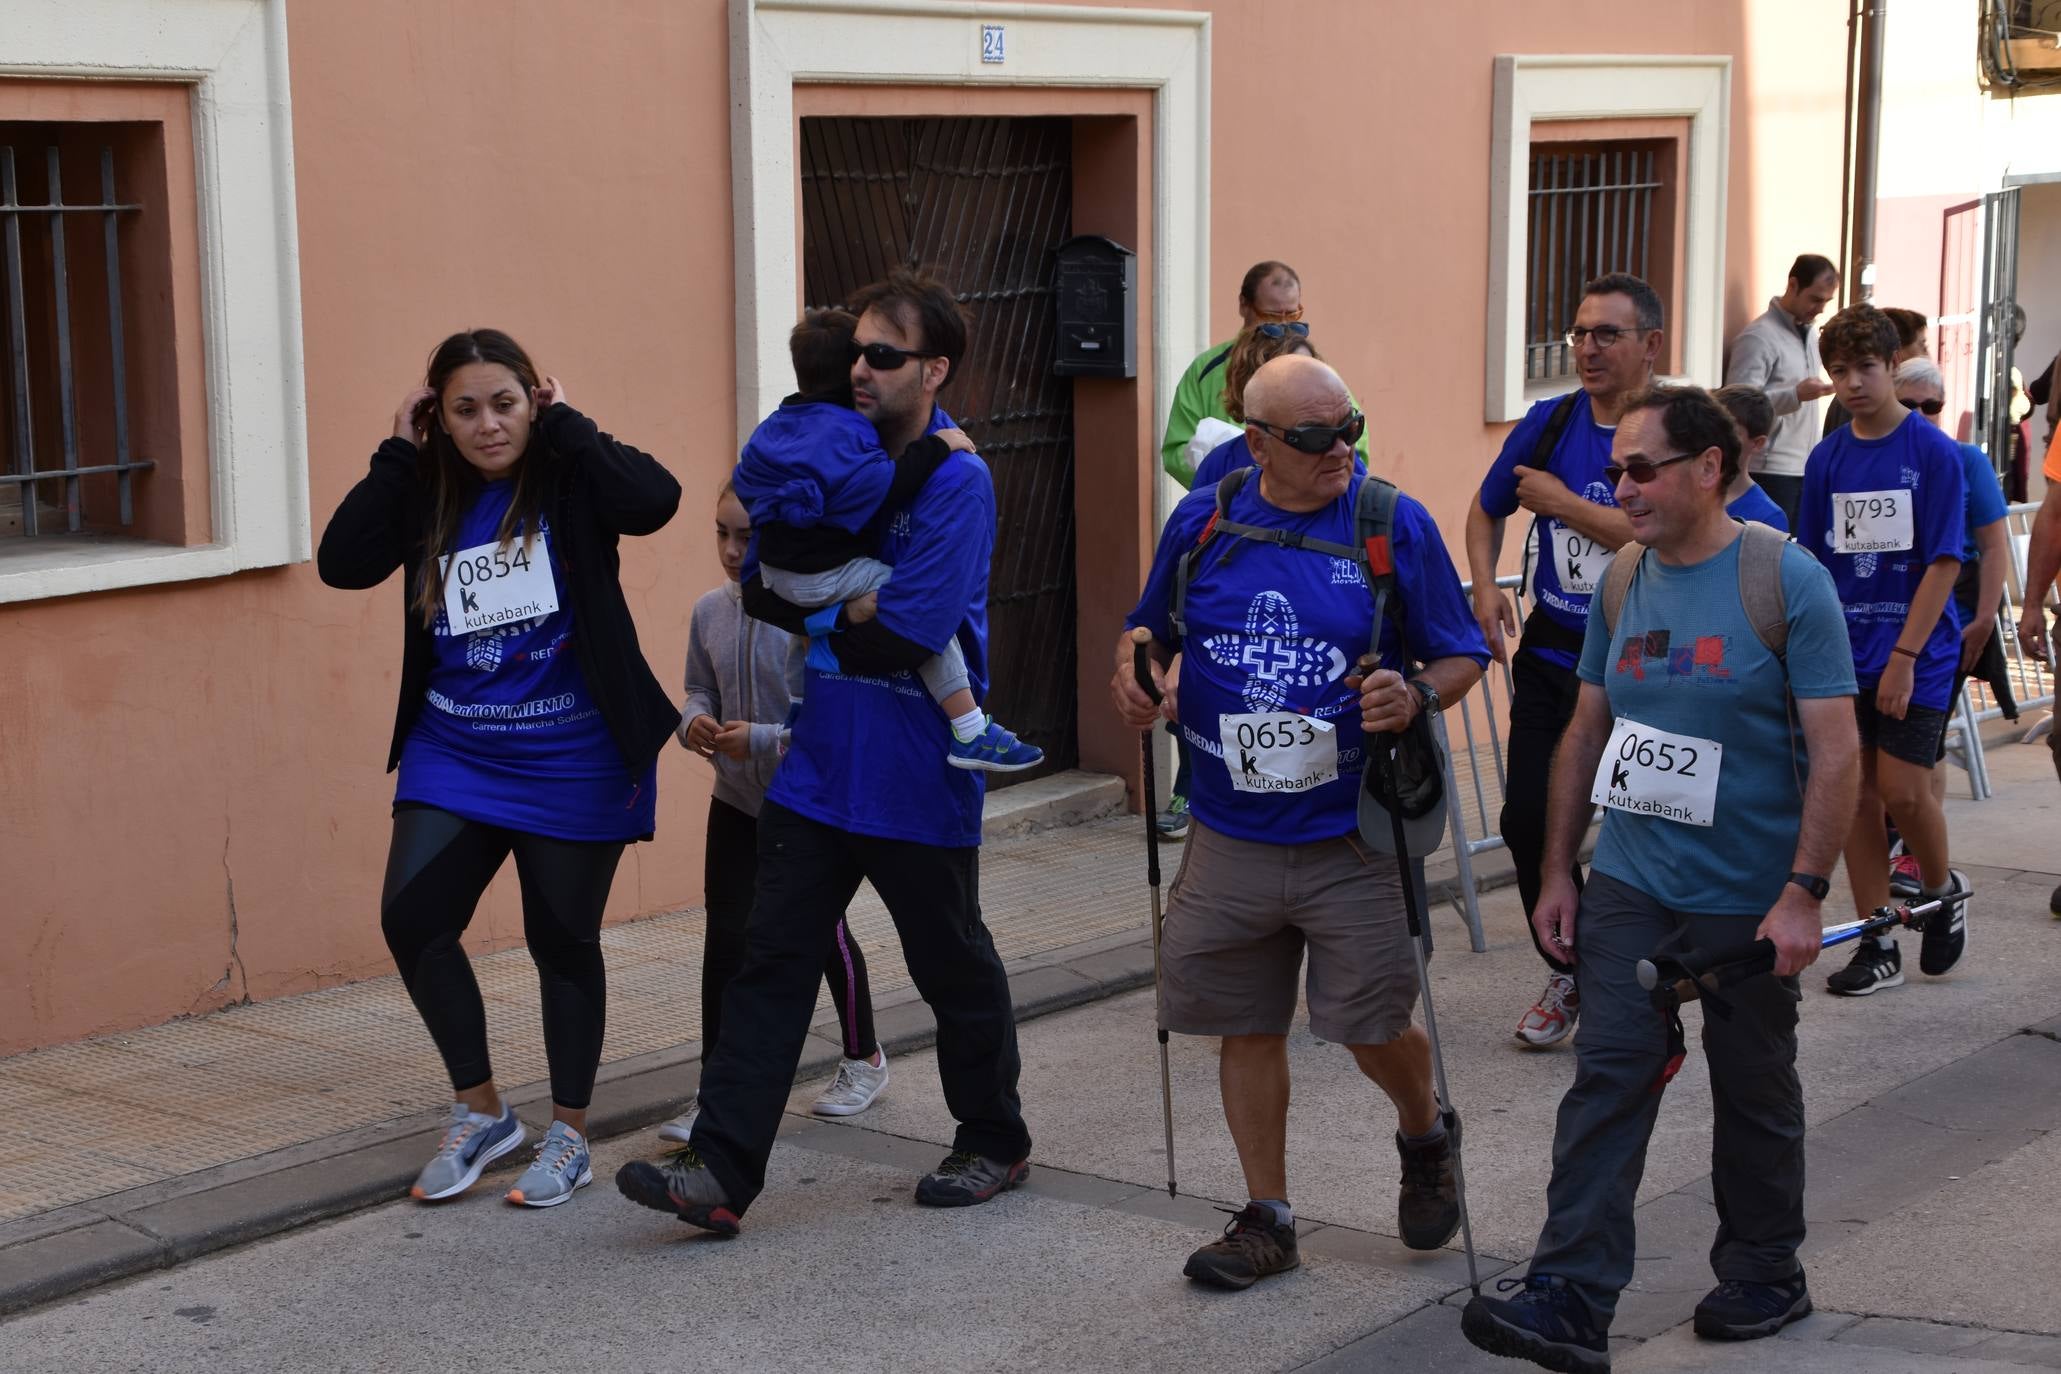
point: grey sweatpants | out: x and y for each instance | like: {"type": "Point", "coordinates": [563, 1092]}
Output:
{"type": "Point", "coordinates": [1606, 1119]}
{"type": "Point", "coordinates": [943, 673]}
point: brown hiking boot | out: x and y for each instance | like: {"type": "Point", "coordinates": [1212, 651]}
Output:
{"type": "Point", "coordinates": [1252, 1248]}
{"type": "Point", "coordinates": [1428, 1209]}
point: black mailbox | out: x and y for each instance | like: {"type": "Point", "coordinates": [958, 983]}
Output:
{"type": "Point", "coordinates": [1098, 309]}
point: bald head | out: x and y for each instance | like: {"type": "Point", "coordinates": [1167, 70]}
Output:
{"type": "Point", "coordinates": [1292, 388]}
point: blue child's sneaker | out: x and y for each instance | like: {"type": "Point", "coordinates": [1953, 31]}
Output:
{"type": "Point", "coordinates": [994, 750]}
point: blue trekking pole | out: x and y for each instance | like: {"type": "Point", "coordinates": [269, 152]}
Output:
{"type": "Point", "coordinates": [1141, 664]}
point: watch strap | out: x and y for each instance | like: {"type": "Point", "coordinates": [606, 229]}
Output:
{"type": "Point", "coordinates": [1810, 882]}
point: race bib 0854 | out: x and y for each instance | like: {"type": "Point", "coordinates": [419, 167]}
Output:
{"type": "Point", "coordinates": [489, 584]}
{"type": "Point", "coordinates": [1649, 772]}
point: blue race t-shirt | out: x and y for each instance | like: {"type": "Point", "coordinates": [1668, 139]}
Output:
{"type": "Point", "coordinates": [1686, 660]}
{"type": "Point", "coordinates": [1985, 504]}
{"type": "Point", "coordinates": [1567, 567]}
{"type": "Point", "coordinates": [509, 734]}
{"type": "Point", "coordinates": [1877, 513]}
{"type": "Point", "coordinates": [1755, 504]}
{"type": "Point", "coordinates": [869, 753]}
{"type": "Point", "coordinates": [1236, 453]}
{"type": "Point", "coordinates": [813, 463]}
{"type": "Point", "coordinates": [1273, 629]}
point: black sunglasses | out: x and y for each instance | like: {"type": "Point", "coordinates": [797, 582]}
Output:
{"type": "Point", "coordinates": [1642, 471]}
{"type": "Point", "coordinates": [885, 357]}
{"type": "Point", "coordinates": [1931, 407]}
{"type": "Point", "coordinates": [1298, 328]}
{"type": "Point", "coordinates": [1315, 439]}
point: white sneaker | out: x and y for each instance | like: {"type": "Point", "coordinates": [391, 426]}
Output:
{"type": "Point", "coordinates": [1552, 1018]}
{"type": "Point", "coordinates": [681, 1127]}
{"type": "Point", "coordinates": [853, 1090]}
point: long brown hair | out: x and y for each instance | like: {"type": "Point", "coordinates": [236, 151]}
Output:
{"type": "Point", "coordinates": [1252, 349]}
{"type": "Point", "coordinates": [452, 481]}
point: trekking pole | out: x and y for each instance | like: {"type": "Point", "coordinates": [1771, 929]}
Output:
{"type": "Point", "coordinates": [1695, 973]}
{"type": "Point", "coordinates": [1438, 1059]}
{"type": "Point", "coordinates": [1141, 664]}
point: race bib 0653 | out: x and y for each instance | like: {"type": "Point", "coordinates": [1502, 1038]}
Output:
{"type": "Point", "coordinates": [1649, 772]}
{"type": "Point", "coordinates": [1579, 561]}
{"type": "Point", "coordinates": [488, 584]}
{"type": "Point", "coordinates": [1278, 751]}
{"type": "Point", "coordinates": [1871, 521]}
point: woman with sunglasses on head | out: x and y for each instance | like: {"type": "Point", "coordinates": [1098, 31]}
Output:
{"type": "Point", "coordinates": [819, 488]}
{"type": "Point", "coordinates": [529, 722]}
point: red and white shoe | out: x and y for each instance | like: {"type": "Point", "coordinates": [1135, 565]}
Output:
{"type": "Point", "coordinates": [1904, 882]}
{"type": "Point", "coordinates": [1552, 1019]}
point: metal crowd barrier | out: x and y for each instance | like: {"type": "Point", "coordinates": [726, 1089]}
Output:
{"type": "Point", "coordinates": [1482, 832]}
{"type": "Point", "coordinates": [2032, 682]}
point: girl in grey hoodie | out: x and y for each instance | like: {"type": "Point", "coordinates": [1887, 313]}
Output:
{"type": "Point", "coordinates": [737, 706]}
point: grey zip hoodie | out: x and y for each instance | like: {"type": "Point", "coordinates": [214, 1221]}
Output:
{"type": "Point", "coordinates": [737, 670]}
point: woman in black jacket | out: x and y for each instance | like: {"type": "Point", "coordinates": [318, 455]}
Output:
{"type": "Point", "coordinates": [528, 723]}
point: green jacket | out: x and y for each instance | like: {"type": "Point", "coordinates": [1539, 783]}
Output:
{"type": "Point", "coordinates": [1199, 395]}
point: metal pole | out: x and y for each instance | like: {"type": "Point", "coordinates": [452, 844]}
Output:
{"type": "Point", "coordinates": [1141, 665]}
{"type": "Point", "coordinates": [1868, 138]}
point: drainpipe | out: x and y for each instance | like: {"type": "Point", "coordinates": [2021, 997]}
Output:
{"type": "Point", "coordinates": [1867, 141]}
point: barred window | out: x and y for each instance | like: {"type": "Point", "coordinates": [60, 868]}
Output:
{"type": "Point", "coordinates": [69, 460]}
{"type": "Point", "coordinates": [1594, 207]}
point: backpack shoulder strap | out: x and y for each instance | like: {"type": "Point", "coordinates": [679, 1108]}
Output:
{"type": "Point", "coordinates": [1618, 581]}
{"type": "Point", "coordinates": [1184, 570]}
{"type": "Point", "coordinates": [1374, 526]}
{"type": "Point", "coordinates": [1556, 425]}
{"type": "Point", "coordinates": [1760, 585]}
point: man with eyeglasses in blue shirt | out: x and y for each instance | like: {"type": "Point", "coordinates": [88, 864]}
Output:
{"type": "Point", "coordinates": [1552, 465]}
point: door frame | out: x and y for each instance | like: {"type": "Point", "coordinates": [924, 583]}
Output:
{"type": "Point", "coordinates": [775, 44]}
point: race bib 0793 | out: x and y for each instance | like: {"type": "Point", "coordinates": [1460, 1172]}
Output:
{"type": "Point", "coordinates": [1871, 521]}
{"type": "Point", "coordinates": [1579, 561]}
{"type": "Point", "coordinates": [1278, 751]}
{"type": "Point", "coordinates": [1649, 772]}
{"type": "Point", "coordinates": [492, 584]}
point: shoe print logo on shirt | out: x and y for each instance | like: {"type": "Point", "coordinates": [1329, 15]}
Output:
{"type": "Point", "coordinates": [1274, 654]}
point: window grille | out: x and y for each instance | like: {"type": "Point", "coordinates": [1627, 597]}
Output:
{"type": "Point", "coordinates": [50, 339]}
{"type": "Point", "coordinates": [1592, 210]}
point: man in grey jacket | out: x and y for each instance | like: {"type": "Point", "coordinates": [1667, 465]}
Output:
{"type": "Point", "coordinates": [1779, 354]}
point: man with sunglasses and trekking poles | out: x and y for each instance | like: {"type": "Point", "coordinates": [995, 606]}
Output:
{"type": "Point", "coordinates": [1265, 590]}
{"type": "Point", "coordinates": [1715, 723]}
{"type": "Point", "coordinates": [1552, 466]}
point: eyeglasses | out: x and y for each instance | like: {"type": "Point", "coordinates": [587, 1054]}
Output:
{"type": "Point", "coordinates": [1280, 315]}
{"type": "Point", "coordinates": [1315, 439]}
{"type": "Point", "coordinates": [1604, 334]}
{"type": "Point", "coordinates": [1282, 331]}
{"type": "Point", "coordinates": [885, 357]}
{"type": "Point", "coordinates": [1930, 407]}
{"type": "Point", "coordinates": [1641, 470]}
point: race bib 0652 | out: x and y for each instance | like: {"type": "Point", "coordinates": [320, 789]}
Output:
{"type": "Point", "coordinates": [1278, 751]}
{"type": "Point", "coordinates": [489, 584]}
{"type": "Point", "coordinates": [1649, 772]}
{"type": "Point", "coordinates": [1871, 521]}
{"type": "Point", "coordinates": [1579, 561]}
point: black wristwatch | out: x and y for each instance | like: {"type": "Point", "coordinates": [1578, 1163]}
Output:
{"type": "Point", "coordinates": [1812, 883]}
{"type": "Point", "coordinates": [1427, 696]}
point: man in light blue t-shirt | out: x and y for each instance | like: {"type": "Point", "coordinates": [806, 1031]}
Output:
{"type": "Point", "coordinates": [1729, 773]}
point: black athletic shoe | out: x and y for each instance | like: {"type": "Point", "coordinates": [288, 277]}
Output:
{"type": "Point", "coordinates": [1547, 1323]}
{"type": "Point", "coordinates": [1253, 1246]}
{"type": "Point", "coordinates": [965, 1179]}
{"type": "Point", "coordinates": [1428, 1207]}
{"type": "Point", "coordinates": [1946, 933]}
{"type": "Point", "coordinates": [1872, 968]}
{"type": "Point", "coordinates": [1736, 1310]}
{"type": "Point", "coordinates": [680, 1184]}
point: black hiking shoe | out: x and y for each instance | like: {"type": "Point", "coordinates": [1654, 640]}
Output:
{"type": "Point", "coordinates": [1428, 1207]}
{"type": "Point", "coordinates": [1737, 1310]}
{"type": "Point", "coordinates": [1253, 1246]}
{"type": "Point", "coordinates": [680, 1184]}
{"type": "Point", "coordinates": [965, 1179]}
{"type": "Point", "coordinates": [1547, 1323]}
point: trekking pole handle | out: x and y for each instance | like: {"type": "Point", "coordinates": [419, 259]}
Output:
{"type": "Point", "coordinates": [1711, 970]}
{"type": "Point", "coordinates": [1141, 662]}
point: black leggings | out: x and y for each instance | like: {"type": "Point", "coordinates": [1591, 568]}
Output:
{"type": "Point", "coordinates": [1542, 701]}
{"type": "Point", "coordinates": [730, 876]}
{"type": "Point", "coordinates": [437, 869]}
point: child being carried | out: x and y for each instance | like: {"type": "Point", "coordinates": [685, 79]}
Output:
{"type": "Point", "coordinates": [819, 488]}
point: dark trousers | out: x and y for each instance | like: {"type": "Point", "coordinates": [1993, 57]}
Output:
{"type": "Point", "coordinates": [730, 874]}
{"type": "Point", "coordinates": [1606, 1119]}
{"type": "Point", "coordinates": [436, 869]}
{"type": "Point", "coordinates": [1786, 492]}
{"type": "Point", "coordinates": [808, 872]}
{"type": "Point", "coordinates": [1542, 697]}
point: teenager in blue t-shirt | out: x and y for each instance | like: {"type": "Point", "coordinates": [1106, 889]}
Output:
{"type": "Point", "coordinates": [1754, 413]}
{"type": "Point", "coordinates": [1614, 341]}
{"type": "Point", "coordinates": [1884, 509]}
{"type": "Point", "coordinates": [529, 722]}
